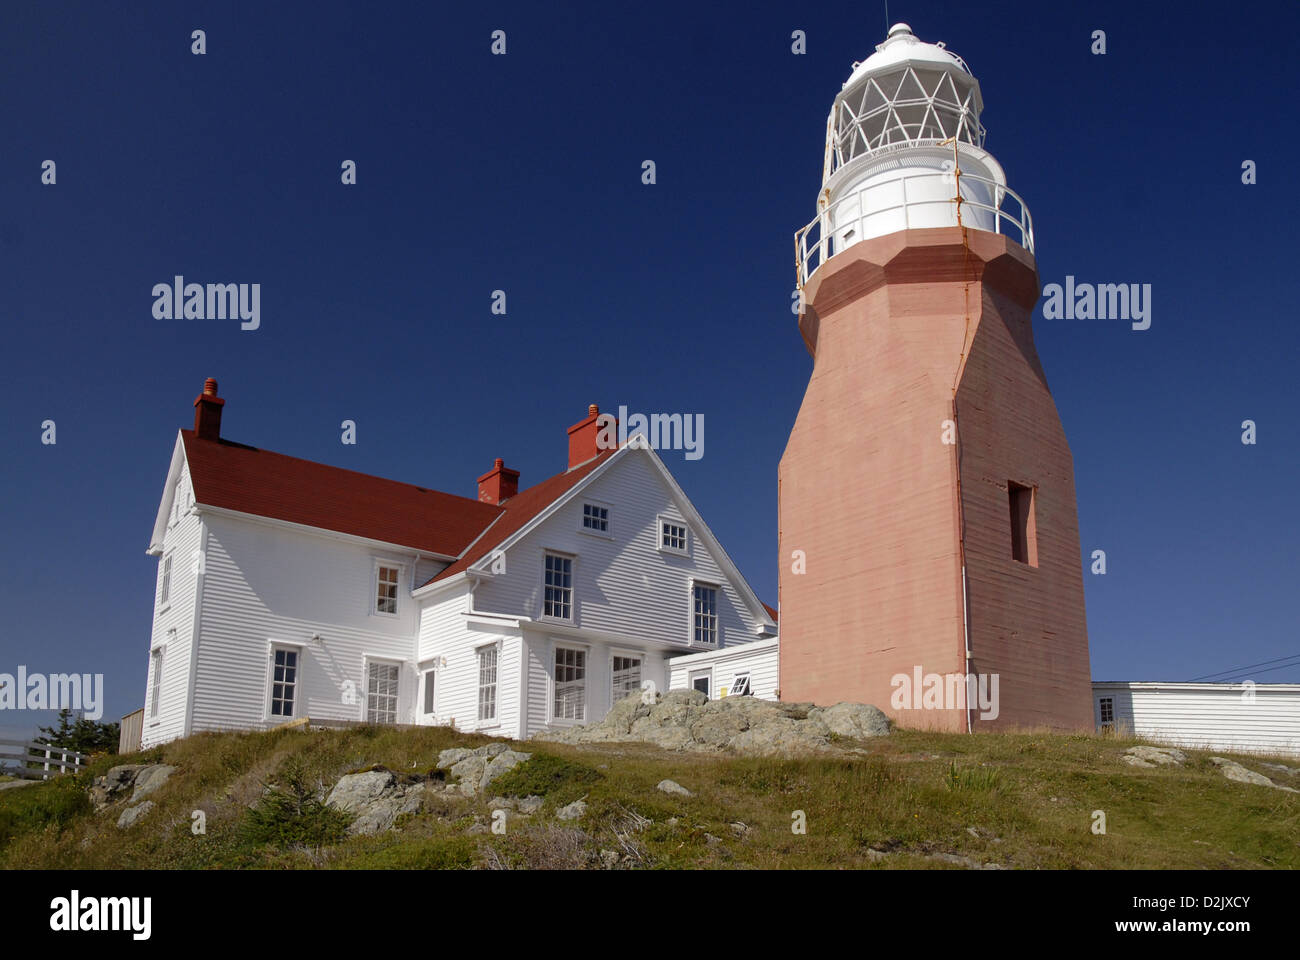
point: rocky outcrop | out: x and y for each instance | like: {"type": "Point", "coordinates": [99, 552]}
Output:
{"type": "Point", "coordinates": [1235, 771]}
{"type": "Point", "coordinates": [672, 786]}
{"type": "Point", "coordinates": [1147, 756]}
{"type": "Point", "coordinates": [687, 720]}
{"type": "Point", "coordinates": [131, 815]}
{"type": "Point", "coordinates": [476, 769]}
{"type": "Point", "coordinates": [113, 786]}
{"type": "Point", "coordinates": [376, 800]}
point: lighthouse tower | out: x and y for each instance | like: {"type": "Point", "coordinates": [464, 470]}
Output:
{"type": "Point", "coordinates": [927, 515]}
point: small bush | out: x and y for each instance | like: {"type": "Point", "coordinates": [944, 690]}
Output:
{"type": "Point", "coordinates": [548, 776]}
{"type": "Point", "coordinates": [52, 804]}
{"type": "Point", "coordinates": [292, 814]}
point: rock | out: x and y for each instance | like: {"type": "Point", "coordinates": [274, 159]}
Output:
{"type": "Point", "coordinates": [502, 761]}
{"type": "Point", "coordinates": [529, 805]}
{"type": "Point", "coordinates": [150, 779]}
{"type": "Point", "coordinates": [1155, 756]}
{"type": "Point", "coordinates": [470, 772]}
{"type": "Point", "coordinates": [574, 811]}
{"type": "Point", "coordinates": [961, 861]}
{"type": "Point", "coordinates": [358, 790]}
{"type": "Point", "coordinates": [477, 827]}
{"type": "Point", "coordinates": [875, 855]}
{"type": "Point", "coordinates": [131, 815]}
{"type": "Point", "coordinates": [491, 750]}
{"type": "Point", "coordinates": [778, 736]}
{"type": "Point", "coordinates": [1235, 771]}
{"type": "Point", "coordinates": [114, 783]}
{"type": "Point", "coordinates": [502, 803]}
{"type": "Point", "coordinates": [856, 721]}
{"type": "Point", "coordinates": [739, 829]}
{"type": "Point", "coordinates": [1281, 768]}
{"type": "Point", "coordinates": [451, 757]}
{"type": "Point", "coordinates": [672, 786]}
{"type": "Point", "coordinates": [609, 859]}
{"type": "Point", "coordinates": [1132, 762]}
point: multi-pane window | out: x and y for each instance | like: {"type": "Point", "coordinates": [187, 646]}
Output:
{"type": "Point", "coordinates": [429, 677]}
{"type": "Point", "coordinates": [706, 614]}
{"type": "Point", "coordinates": [672, 536]}
{"type": "Point", "coordinates": [386, 589]}
{"type": "Point", "coordinates": [558, 599]}
{"type": "Point", "coordinates": [284, 682]}
{"type": "Point", "coordinates": [570, 684]}
{"type": "Point", "coordinates": [155, 692]}
{"type": "Point", "coordinates": [739, 686]}
{"type": "Point", "coordinates": [702, 682]}
{"type": "Point", "coordinates": [164, 594]}
{"type": "Point", "coordinates": [595, 518]}
{"type": "Point", "coordinates": [381, 693]}
{"type": "Point", "coordinates": [627, 677]}
{"type": "Point", "coordinates": [1106, 707]}
{"type": "Point", "coordinates": [487, 683]}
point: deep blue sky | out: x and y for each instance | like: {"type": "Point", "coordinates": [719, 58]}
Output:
{"type": "Point", "coordinates": [522, 172]}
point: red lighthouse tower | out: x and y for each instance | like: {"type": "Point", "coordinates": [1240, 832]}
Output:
{"type": "Point", "coordinates": [928, 526]}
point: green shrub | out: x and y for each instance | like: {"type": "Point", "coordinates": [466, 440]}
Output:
{"type": "Point", "coordinates": [52, 804]}
{"type": "Point", "coordinates": [291, 814]}
{"type": "Point", "coordinates": [549, 776]}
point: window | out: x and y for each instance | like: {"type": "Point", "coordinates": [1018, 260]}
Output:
{"type": "Point", "coordinates": [284, 681]}
{"type": "Point", "coordinates": [178, 503]}
{"type": "Point", "coordinates": [155, 693]}
{"type": "Point", "coordinates": [381, 693]}
{"type": "Point", "coordinates": [626, 673]}
{"type": "Point", "coordinates": [165, 591]}
{"type": "Point", "coordinates": [570, 684]}
{"type": "Point", "coordinates": [429, 676]}
{"type": "Point", "coordinates": [487, 683]}
{"type": "Point", "coordinates": [740, 686]}
{"type": "Point", "coordinates": [558, 600]}
{"type": "Point", "coordinates": [1106, 708]}
{"type": "Point", "coordinates": [1024, 537]}
{"type": "Point", "coordinates": [706, 614]}
{"type": "Point", "coordinates": [672, 536]}
{"type": "Point", "coordinates": [595, 518]}
{"type": "Point", "coordinates": [386, 588]}
{"type": "Point", "coordinates": [702, 681]}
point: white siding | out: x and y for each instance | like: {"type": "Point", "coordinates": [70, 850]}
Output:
{"type": "Point", "coordinates": [624, 587]}
{"type": "Point", "coordinates": [182, 543]}
{"type": "Point", "coordinates": [264, 583]}
{"type": "Point", "coordinates": [1205, 715]}
{"type": "Point", "coordinates": [758, 659]}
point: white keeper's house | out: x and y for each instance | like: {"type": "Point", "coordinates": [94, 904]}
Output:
{"type": "Point", "coordinates": [289, 589]}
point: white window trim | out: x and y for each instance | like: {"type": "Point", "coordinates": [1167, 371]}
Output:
{"type": "Point", "coordinates": [495, 722]}
{"type": "Point", "coordinates": [166, 576]}
{"type": "Point", "coordinates": [271, 647]}
{"type": "Point", "coordinates": [618, 652]}
{"type": "Point", "coordinates": [364, 698]}
{"type": "Point", "coordinates": [692, 675]}
{"type": "Point", "coordinates": [600, 534]}
{"type": "Point", "coordinates": [659, 536]}
{"type": "Point", "coordinates": [431, 665]}
{"type": "Point", "coordinates": [156, 657]}
{"type": "Point", "coordinates": [557, 644]}
{"type": "Point", "coordinates": [735, 679]}
{"type": "Point", "coordinates": [401, 566]}
{"type": "Point", "coordinates": [692, 583]}
{"type": "Point", "coordinates": [542, 615]}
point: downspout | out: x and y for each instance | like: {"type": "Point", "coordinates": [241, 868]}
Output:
{"type": "Point", "coordinates": [968, 654]}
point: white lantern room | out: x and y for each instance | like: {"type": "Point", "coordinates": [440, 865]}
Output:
{"type": "Point", "coordinates": [904, 151]}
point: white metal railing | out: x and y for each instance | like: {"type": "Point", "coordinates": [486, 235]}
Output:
{"type": "Point", "coordinates": [816, 243]}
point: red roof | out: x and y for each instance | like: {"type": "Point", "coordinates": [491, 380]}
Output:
{"type": "Point", "coordinates": [238, 477]}
{"type": "Point", "coordinates": [520, 509]}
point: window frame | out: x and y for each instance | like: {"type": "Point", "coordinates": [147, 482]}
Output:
{"type": "Point", "coordinates": [165, 580]}
{"type": "Point", "coordinates": [701, 673]}
{"type": "Point", "coordinates": [494, 720]}
{"type": "Point", "coordinates": [370, 663]}
{"type": "Point", "coordinates": [1105, 704]}
{"type": "Point", "coordinates": [639, 657]}
{"type": "Point", "coordinates": [717, 616]}
{"type": "Point", "coordinates": [553, 685]}
{"type": "Point", "coordinates": [400, 567]}
{"type": "Point", "coordinates": [608, 532]}
{"type": "Point", "coordinates": [664, 520]}
{"type": "Point", "coordinates": [156, 657]}
{"type": "Point", "coordinates": [572, 559]}
{"type": "Point", "coordinates": [294, 700]}
{"type": "Point", "coordinates": [735, 679]}
{"type": "Point", "coordinates": [428, 676]}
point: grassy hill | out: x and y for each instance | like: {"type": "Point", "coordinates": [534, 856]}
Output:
{"type": "Point", "coordinates": [909, 800]}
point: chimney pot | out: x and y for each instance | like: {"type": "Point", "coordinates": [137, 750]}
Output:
{"type": "Point", "coordinates": [584, 437]}
{"type": "Point", "coordinates": [210, 387]}
{"type": "Point", "coordinates": [499, 484]}
{"type": "Point", "coordinates": [207, 412]}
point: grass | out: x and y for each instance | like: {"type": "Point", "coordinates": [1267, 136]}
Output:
{"type": "Point", "coordinates": [1023, 800]}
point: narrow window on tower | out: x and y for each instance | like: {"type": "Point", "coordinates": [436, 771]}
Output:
{"type": "Point", "coordinates": [1024, 535]}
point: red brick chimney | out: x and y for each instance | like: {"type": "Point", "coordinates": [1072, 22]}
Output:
{"type": "Point", "coordinates": [498, 484]}
{"type": "Point", "coordinates": [207, 412]}
{"type": "Point", "coordinates": [583, 436]}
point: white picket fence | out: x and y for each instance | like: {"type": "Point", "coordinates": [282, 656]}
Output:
{"type": "Point", "coordinates": [18, 758]}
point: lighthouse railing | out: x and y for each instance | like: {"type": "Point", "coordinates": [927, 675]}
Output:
{"type": "Point", "coordinates": [985, 204]}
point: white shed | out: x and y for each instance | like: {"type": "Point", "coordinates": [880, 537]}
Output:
{"type": "Point", "coordinates": [743, 668]}
{"type": "Point", "coordinates": [1233, 717]}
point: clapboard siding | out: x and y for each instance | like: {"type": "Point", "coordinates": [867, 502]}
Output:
{"type": "Point", "coordinates": [623, 585]}
{"type": "Point", "coordinates": [182, 542]}
{"type": "Point", "coordinates": [1211, 716]}
{"type": "Point", "coordinates": [759, 659]}
{"type": "Point", "coordinates": [265, 584]}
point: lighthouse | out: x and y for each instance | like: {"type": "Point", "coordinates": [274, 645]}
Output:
{"type": "Point", "coordinates": [929, 540]}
